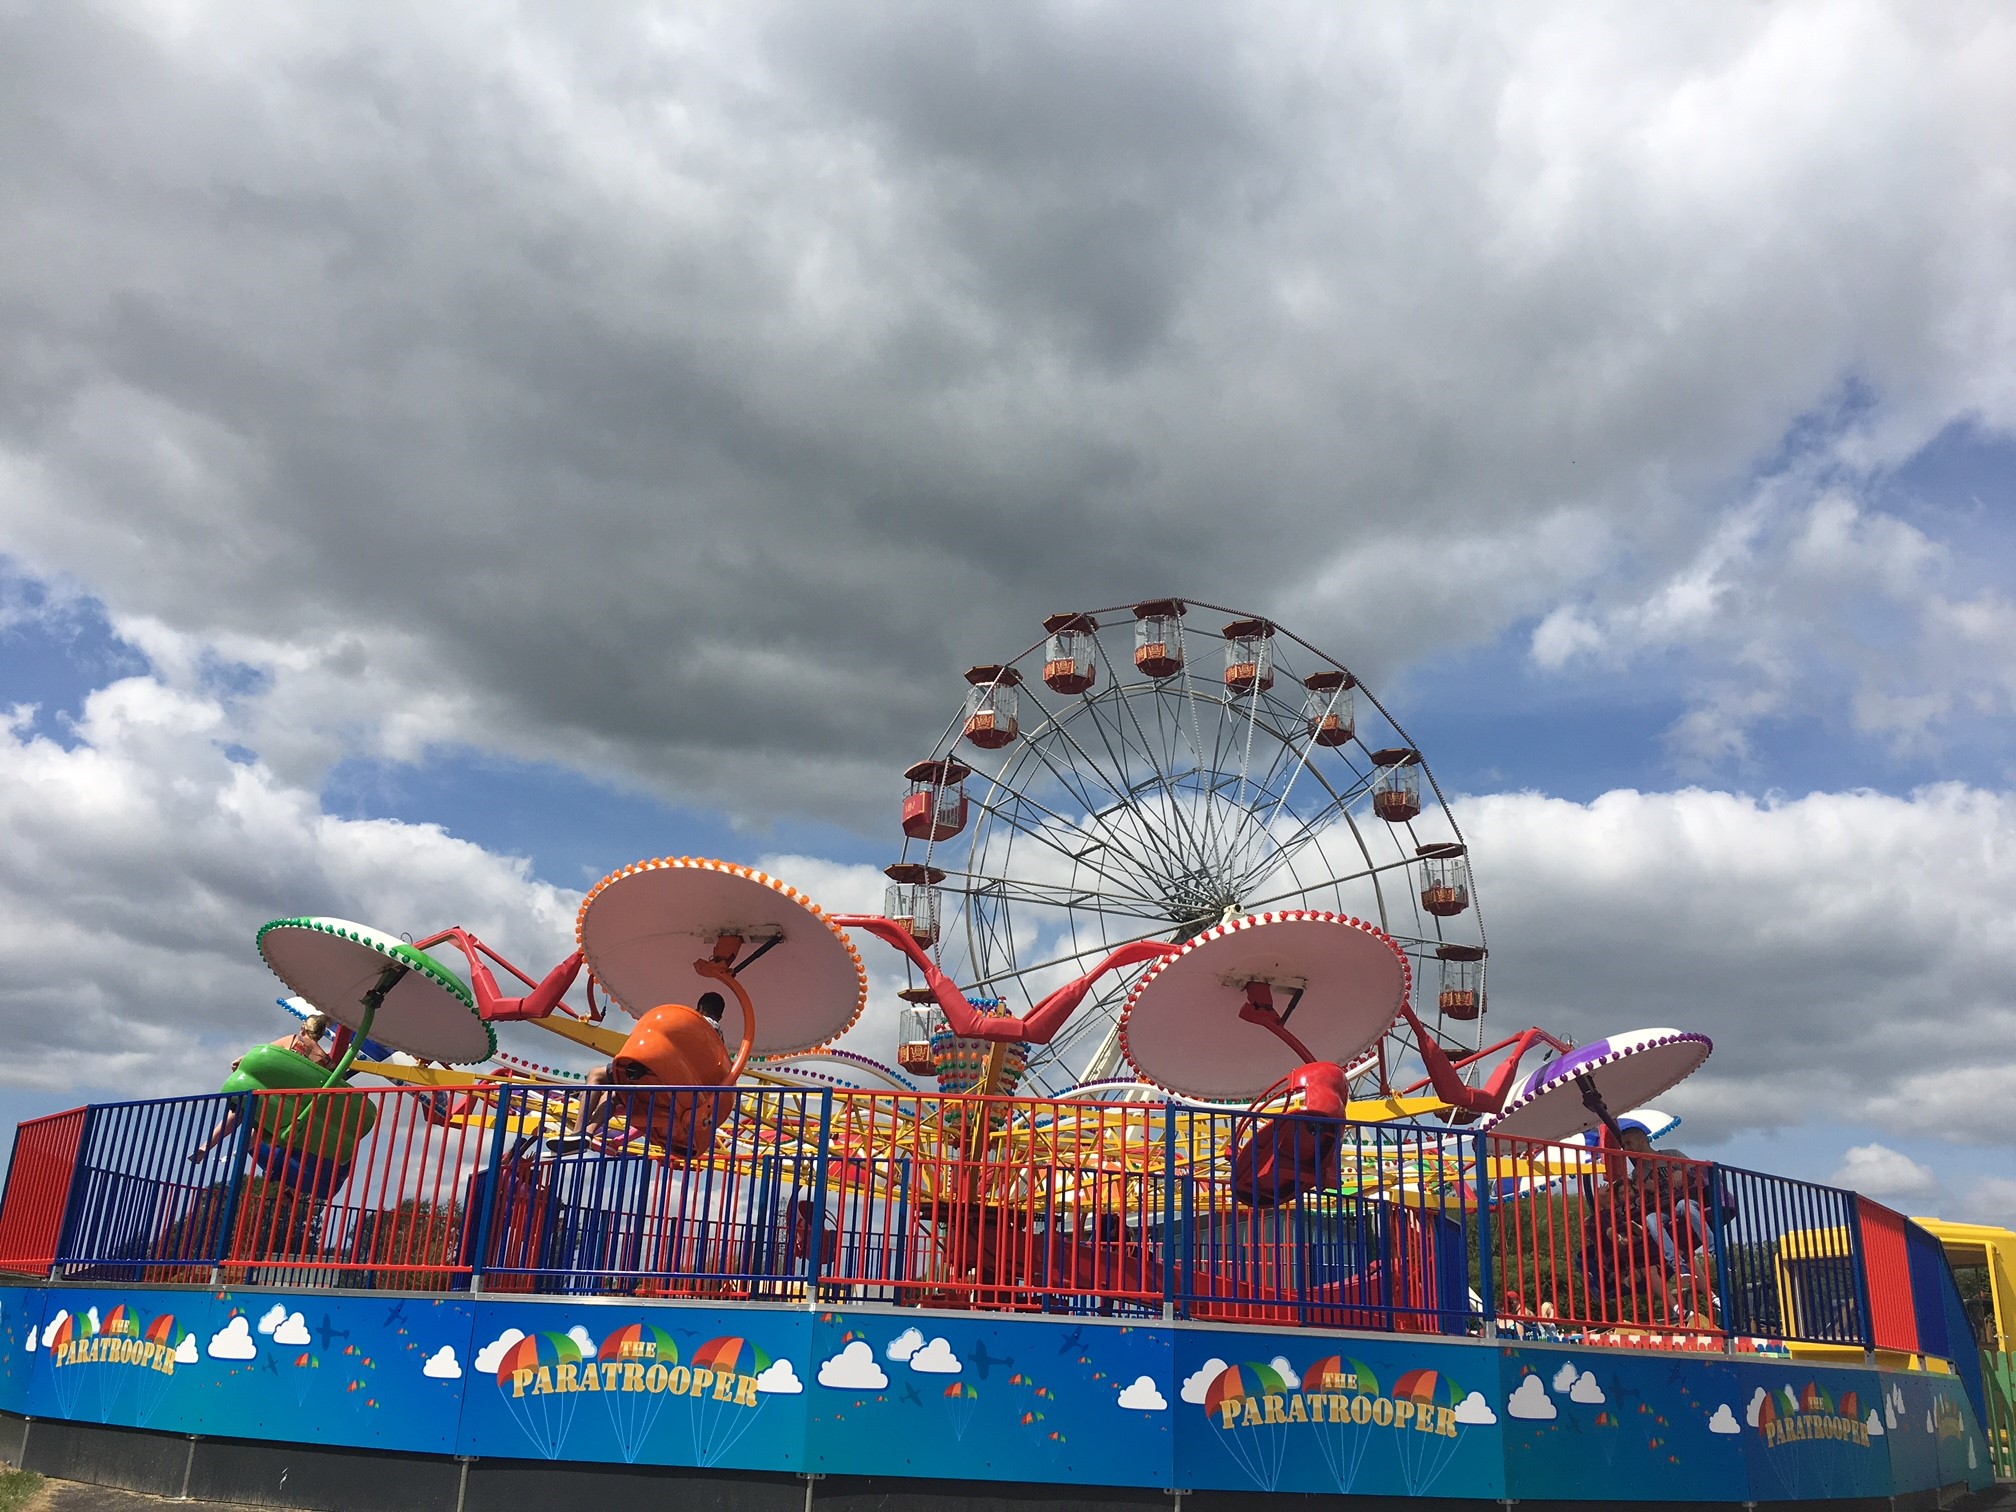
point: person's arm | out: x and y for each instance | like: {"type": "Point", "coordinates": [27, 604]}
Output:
{"type": "Point", "coordinates": [217, 1136]}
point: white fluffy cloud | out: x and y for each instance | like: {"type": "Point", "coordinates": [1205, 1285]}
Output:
{"type": "Point", "coordinates": [936, 1358]}
{"type": "Point", "coordinates": [905, 1344]}
{"type": "Point", "coordinates": [185, 1352]}
{"type": "Point", "coordinates": [781, 1379]}
{"type": "Point", "coordinates": [1803, 934]}
{"type": "Point", "coordinates": [233, 1341]}
{"type": "Point", "coordinates": [853, 1369]}
{"type": "Point", "coordinates": [491, 1355]}
{"type": "Point", "coordinates": [442, 1365]}
{"type": "Point", "coordinates": [1724, 1421]}
{"type": "Point", "coordinates": [272, 1318]}
{"type": "Point", "coordinates": [444, 439]}
{"type": "Point", "coordinates": [1143, 1395]}
{"type": "Point", "coordinates": [1878, 1171]}
{"type": "Point", "coordinates": [292, 1330]}
{"type": "Point", "coordinates": [1529, 1401]}
{"type": "Point", "coordinates": [1587, 1390]}
{"type": "Point", "coordinates": [1475, 1410]}
{"type": "Point", "coordinates": [1198, 1382]}
{"type": "Point", "coordinates": [140, 861]}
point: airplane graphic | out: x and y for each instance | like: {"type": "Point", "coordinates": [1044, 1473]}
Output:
{"type": "Point", "coordinates": [329, 1332]}
{"type": "Point", "coordinates": [1071, 1341]}
{"type": "Point", "coordinates": [395, 1317]}
{"type": "Point", "coordinates": [984, 1362]}
{"type": "Point", "coordinates": [910, 1394]}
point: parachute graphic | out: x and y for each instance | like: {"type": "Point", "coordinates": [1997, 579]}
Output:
{"type": "Point", "coordinates": [961, 1401]}
{"type": "Point", "coordinates": [717, 1424]}
{"type": "Point", "coordinates": [1256, 1448]}
{"type": "Point", "coordinates": [548, 1415]}
{"type": "Point", "coordinates": [153, 1384]}
{"type": "Point", "coordinates": [1424, 1456]}
{"type": "Point", "coordinates": [1343, 1444]}
{"type": "Point", "coordinates": [120, 1323]}
{"type": "Point", "coordinates": [632, 1413]}
{"type": "Point", "coordinates": [69, 1379]}
{"type": "Point", "coordinates": [304, 1376]}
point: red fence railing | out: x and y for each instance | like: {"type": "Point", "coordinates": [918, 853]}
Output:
{"type": "Point", "coordinates": [38, 1190]}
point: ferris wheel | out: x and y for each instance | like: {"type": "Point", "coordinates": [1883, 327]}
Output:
{"type": "Point", "coordinates": [1150, 771]}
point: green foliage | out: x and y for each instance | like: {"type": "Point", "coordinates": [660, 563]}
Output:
{"type": "Point", "coordinates": [17, 1489]}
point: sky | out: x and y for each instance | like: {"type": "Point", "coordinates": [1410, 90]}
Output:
{"type": "Point", "coordinates": [447, 455]}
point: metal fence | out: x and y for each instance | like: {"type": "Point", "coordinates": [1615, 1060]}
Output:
{"type": "Point", "coordinates": [998, 1204]}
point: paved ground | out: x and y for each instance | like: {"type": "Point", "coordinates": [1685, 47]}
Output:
{"type": "Point", "coordinates": [68, 1496]}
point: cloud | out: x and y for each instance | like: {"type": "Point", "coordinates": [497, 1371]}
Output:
{"type": "Point", "coordinates": [34, 1332]}
{"type": "Point", "coordinates": [583, 1340]}
{"type": "Point", "coordinates": [1724, 1421]}
{"type": "Point", "coordinates": [853, 1369]}
{"type": "Point", "coordinates": [292, 1331]}
{"type": "Point", "coordinates": [1756, 1407]}
{"type": "Point", "coordinates": [904, 1345]}
{"type": "Point", "coordinates": [1565, 1376]}
{"type": "Point", "coordinates": [1198, 1382]}
{"type": "Point", "coordinates": [1144, 1396]}
{"type": "Point", "coordinates": [49, 1328]}
{"type": "Point", "coordinates": [781, 1379]}
{"type": "Point", "coordinates": [185, 1352]}
{"type": "Point", "coordinates": [491, 1355]}
{"type": "Point", "coordinates": [1874, 1426]}
{"type": "Point", "coordinates": [1586, 1390]}
{"type": "Point", "coordinates": [442, 1365]}
{"type": "Point", "coordinates": [272, 1318]}
{"type": "Point", "coordinates": [936, 1358]}
{"type": "Point", "coordinates": [1879, 1171]}
{"type": "Point", "coordinates": [1474, 1409]}
{"type": "Point", "coordinates": [233, 1341]}
{"type": "Point", "coordinates": [1530, 1401]}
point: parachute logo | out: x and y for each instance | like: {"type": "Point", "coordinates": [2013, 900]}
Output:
{"type": "Point", "coordinates": [116, 1340]}
{"type": "Point", "coordinates": [1797, 1417]}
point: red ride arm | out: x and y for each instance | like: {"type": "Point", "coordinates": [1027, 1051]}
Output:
{"type": "Point", "coordinates": [1448, 1086]}
{"type": "Point", "coordinates": [1043, 1021]}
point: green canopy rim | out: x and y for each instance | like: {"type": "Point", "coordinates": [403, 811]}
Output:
{"type": "Point", "coordinates": [416, 961]}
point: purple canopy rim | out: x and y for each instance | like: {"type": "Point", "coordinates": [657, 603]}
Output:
{"type": "Point", "coordinates": [1628, 1069]}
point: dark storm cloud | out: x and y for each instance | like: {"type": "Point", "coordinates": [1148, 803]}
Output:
{"type": "Point", "coordinates": [688, 394]}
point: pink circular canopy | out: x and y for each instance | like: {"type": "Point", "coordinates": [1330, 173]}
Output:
{"type": "Point", "coordinates": [1181, 1026]}
{"type": "Point", "coordinates": [644, 927]}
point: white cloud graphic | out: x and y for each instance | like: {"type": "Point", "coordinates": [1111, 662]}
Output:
{"type": "Point", "coordinates": [583, 1340]}
{"type": "Point", "coordinates": [1199, 1381]}
{"type": "Point", "coordinates": [1474, 1409]}
{"type": "Point", "coordinates": [92, 1314]}
{"type": "Point", "coordinates": [779, 1380]}
{"type": "Point", "coordinates": [853, 1369]}
{"type": "Point", "coordinates": [293, 1331]}
{"type": "Point", "coordinates": [1874, 1427]}
{"type": "Point", "coordinates": [936, 1358]}
{"type": "Point", "coordinates": [55, 1323]}
{"type": "Point", "coordinates": [442, 1365]}
{"type": "Point", "coordinates": [905, 1344]}
{"type": "Point", "coordinates": [1279, 1364]}
{"type": "Point", "coordinates": [1750, 1413]}
{"type": "Point", "coordinates": [1565, 1376]}
{"type": "Point", "coordinates": [1144, 1396]}
{"type": "Point", "coordinates": [272, 1318]}
{"type": "Point", "coordinates": [491, 1355]}
{"type": "Point", "coordinates": [1928, 1421]}
{"type": "Point", "coordinates": [33, 1332]}
{"type": "Point", "coordinates": [1889, 1411]}
{"type": "Point", "coordinates": [1530, 1400]}
{"type": "Point", "coordinates": [233, 1341]}
{"type": "Point", "coordinates": [185, 1352]}
{"type": "Point", "coordinates": [1972, 1463]}
{"type": "Point", "coordinates": [1586, 1391]}
{"type": "Point", "coordinates": [1724, 1421]}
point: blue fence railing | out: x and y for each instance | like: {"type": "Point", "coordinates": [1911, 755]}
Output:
{"type": "Point", "coordinates": [1004, 1204]}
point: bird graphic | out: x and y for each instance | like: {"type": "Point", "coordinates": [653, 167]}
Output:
{"type": "Point", "coordinates": [984, 1362]}
{"type": "Point", "coordinates": [1071, 1341]}
{"type": "Point", "coordinates": [329, 1332]}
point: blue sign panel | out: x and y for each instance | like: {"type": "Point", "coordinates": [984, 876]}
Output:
{"type": "Point", "coordinates": [1353, 1414]}
{"type": "Point", "coordinates": [945, 1394]}
{"type": "Point", "coordinates": [639, 1384]}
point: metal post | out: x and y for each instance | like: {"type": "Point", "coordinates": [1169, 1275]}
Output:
{"type": "Point", "coordinates": [228, 1222]}
{"type": "Point", "coordinates": [1173, 1245]}
{"type": "Point", "coordinates": [73, 1208]}
{"type": "Point", "coordinates": [815, 1263]}
{"type": "Point", "coordinates": [1867, 1318]}
{"type": "Point", "coordinates": [1487, 1280]}
{"type": "Point", "coordinates": [1718, 1234]}
{"type": "Point", "coordinates": [486, 1192]}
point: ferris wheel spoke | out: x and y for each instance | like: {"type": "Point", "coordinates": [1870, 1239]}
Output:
{"type": "Point", "coordinates": [1118, 784]}
{"type": "Point", "coordinates": [1173, 860]}
{"type": "Point", "coordinates": [1048, 895]}
{"type": "Point", "coordinates": [1041, 834]}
